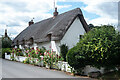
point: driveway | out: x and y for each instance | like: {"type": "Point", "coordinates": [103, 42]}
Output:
{"type": "Point", "coordinates": [12, 69]}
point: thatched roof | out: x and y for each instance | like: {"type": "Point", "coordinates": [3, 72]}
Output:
{"type": "Point", "coordinates": [53, 27]}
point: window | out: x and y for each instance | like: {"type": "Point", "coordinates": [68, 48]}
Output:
{"type": "Point", "coordinates": [80, 36]}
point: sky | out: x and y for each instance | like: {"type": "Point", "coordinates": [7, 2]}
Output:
{"type": "Point", "coordinates": [15, 14]}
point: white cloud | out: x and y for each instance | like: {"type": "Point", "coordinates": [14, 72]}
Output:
{"type": "Point", "coordinates": [107, 10]}
{"type": "Point", "coordinates": [17, 13]}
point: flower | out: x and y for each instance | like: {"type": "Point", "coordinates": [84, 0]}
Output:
{"type": "Point", "coordinates": [59, 56]}
{"type": "Point", "coordinates": [36, 52]}
{"type": "Point", "coordinates": [48, 52]}
{"type": "Point", "coordinates": [42, 58]}
{"type": "Point", "coordinates": [27, 51]}
{"type": "Point", "coordinates": [52, 50]}
{"type": "Point", "coordinates": [37, 60]}
{"type": "Point", "coordinates": [44, 53]}
{"type": "Point", "coordinates": [29, 55]}
{"type": "Point", "coordinates": [40, 53]}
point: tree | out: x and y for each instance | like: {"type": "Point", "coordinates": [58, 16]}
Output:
{"type": "Point", "coordinates": [100, 47]}
{"type": "Point", "coordinates": [6, 42]}
{"type": "Point", "coordinates": [6, 45]}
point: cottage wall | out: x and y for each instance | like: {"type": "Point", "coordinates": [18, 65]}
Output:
{"type": "Point", "coordinates": [72, 36]}
{"type": "Point", "coordinates": [44, 44]}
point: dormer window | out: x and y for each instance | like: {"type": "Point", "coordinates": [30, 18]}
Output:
{"type": "Point", "coordinates": [49, 36]}
{"type": "Point", "coordinates": [31, 41]}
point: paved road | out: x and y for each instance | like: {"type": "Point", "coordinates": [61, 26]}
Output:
{"type": "Point", "coordinates": [11, 69]}
{"type": "Point", "coordinates": [0, 68]}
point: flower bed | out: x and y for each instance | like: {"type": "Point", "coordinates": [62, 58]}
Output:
{"type": "Point", "coordinates": [39, 57]}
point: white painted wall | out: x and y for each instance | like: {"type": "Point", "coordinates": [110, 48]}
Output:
{"type": "Point", "coordinates": [72, 35]}
{"type": "Point", "coordinates": [44, 44]}
{"type": "Point", "coordinates": [55, 46]}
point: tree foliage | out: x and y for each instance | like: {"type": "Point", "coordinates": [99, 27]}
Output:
{"type": "Point", "coordinates": [100, 47]}
{"type": "Point", "coordinates": [6, 42]}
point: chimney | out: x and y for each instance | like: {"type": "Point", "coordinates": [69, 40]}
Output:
{"type": "Point", "coordinates": [31, 22]}
{"type": "Point", "coordinates": [55, 13]}
{"type": "Point", "coordinates": [5, 32]}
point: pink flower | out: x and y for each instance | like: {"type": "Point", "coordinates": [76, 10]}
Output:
{"type": "Point", "coordinates": [48, 52]}
{"type": "Point", "coordinates": [44, 53]}
{"type": "Point", "coordinates": [36, 52]}
{"type": "Point", "coordinates": [26, 51]}
{"type": "Point", "coordinates": [37, 60]}
{"type": "Point", "coordinates": [42, 58]}
{"type": "Point", "coordinates": [28, 55]}
{"type": "Point", "coordinates": [40, 53]}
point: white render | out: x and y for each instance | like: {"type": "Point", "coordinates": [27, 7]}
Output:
{"type": "Point", "coordinates": [72, 35]}
{"type": "Point", "coordinates": [47, 45]}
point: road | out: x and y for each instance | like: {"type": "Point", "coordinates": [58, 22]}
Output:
{"type": "Point", "coordinates": [12, 69]}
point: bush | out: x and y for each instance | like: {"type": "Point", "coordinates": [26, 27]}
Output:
{"type": "Point", "coordinates": [64, 50]}
{"type": "Point", "coordinates": [5, 50]}
{"type": "Point", "coordinates": [100, 47]}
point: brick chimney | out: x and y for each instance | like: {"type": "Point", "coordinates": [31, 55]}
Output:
{"type": "Point", "coordinates": [55, 13]}
{"type": "Point", "coordinates": [31, 22]}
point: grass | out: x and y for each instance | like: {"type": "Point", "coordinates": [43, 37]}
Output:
{"type": "Point", "coordinates": [115, 75]}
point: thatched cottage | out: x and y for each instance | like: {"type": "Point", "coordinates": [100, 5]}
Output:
{"type": "Point", "coordinates": [65, 28]}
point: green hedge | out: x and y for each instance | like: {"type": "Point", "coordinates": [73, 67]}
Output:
{"type": "Point", "coordinates": [100, 47]}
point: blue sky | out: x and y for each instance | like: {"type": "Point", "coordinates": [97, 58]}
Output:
{"type": "Point", "coordinates": [17, 13]}
{"type": "Point", "coordinates": [77, 5]}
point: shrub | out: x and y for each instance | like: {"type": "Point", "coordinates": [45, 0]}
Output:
{"type": "Point", "coordinates": [27, 61]}
{"type": "Point", "coordinates": [51, 58]}
{"type": "Point", "coordinates": [100, 47]}
{"type": "Point", "coordinates": [64, 50]}
{"type": "Point", "coordinates": [5, 50]}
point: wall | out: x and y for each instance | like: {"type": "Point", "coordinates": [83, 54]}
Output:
{"type": "Point", "coordinates": [72, 35]}
{"type": "Point", "coordinates": [44, 44]}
